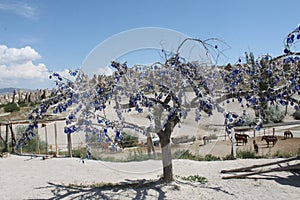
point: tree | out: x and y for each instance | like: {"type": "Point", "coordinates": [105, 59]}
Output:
{"type": "Point", "coordinates": [161, 90]}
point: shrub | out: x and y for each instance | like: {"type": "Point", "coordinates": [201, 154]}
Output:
{"type": "Point", "coordinates": [129, 140]}
{"type": "Point", "coordinates": [189, 156]}
{"type": "Point", "coordinates": [194, 178]}
{"type": "Point", "coordinates": [228, 157]}
{"type": "Point", "coordinates": [11, 107]}
{"type": "Point", "coordinates": [296, 115]}
{"type": "Point", "coordinates": [184, 154]}
{"type": "Point", "coordinates": [79, 152]}
{"type": "Point", "coordinates": [245, 154]}
{"type": "Point", "coordinates": [212, 137]}
{"type": "Point", "coordinates": [275, 114]}
{"type": "Point", "coordinates": [2, 147]}
{"type": "Point", "coordinates": [210, 157]}
{"type": "Point", "coordinates": [35, 145]}
{"type": "Point", "coordinates": [248, 121]}
{"type": "Point", "coordinates": [139, 155]}
{"type": "Point", "coordinates": [22, 103]}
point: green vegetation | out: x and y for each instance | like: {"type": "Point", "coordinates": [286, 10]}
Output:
{"type": "Point", "coordinates": [139, 154]}
{"type": "Point", "coordinates": [79, 152]}
{"type": "Point", "coordinates": [296, 114]}
{"type": "Point", "coordinates": [275, 114]}
{"type": "Point", "coordinates": [22, 103]}
{"type": "Point", "coordinates": [212, 137]}
{"type": "Point", "coordinates": [228, 157]}
{"type": "Point", "coordinates": [2, 147]}
{"type": "Point", "coordinates": [280, 154]}
{"type": "Point", "coordinates": [35, 145]}
{"type": "Point", "coordinates": [194, 178]}
{"type": "Point", "coordinates": [245, 154]}
{"type": "Point", "coordinates": [249, 120]}
{"type": "Point", "coordinates": [11, 107]}
{"type": "Point", "coordinates": [129, 140]}
{"type": "Point", "coordinates": [186, 154]}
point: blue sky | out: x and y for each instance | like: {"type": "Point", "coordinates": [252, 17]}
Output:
{"type": "Point", "coordinates": [51, 35]}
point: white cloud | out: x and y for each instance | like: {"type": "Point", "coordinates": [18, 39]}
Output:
{"type": "Point", "coordinates": [17, 67]}
{"type": "Point", "coordinates": [19, 8]}
{"type": "Point", "coordinates": [105, 71]}
{"type": "Point", "coordinates": [10, 56]}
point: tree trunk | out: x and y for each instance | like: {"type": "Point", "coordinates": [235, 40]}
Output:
{"type": "Point", "coordinates": [166, 157]}
{"type": "Point", "coordinates": [165, 143]}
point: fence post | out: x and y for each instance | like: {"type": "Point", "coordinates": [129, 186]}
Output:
{"type": "Point", "coordinates": [1, 138]}
{"type": "Point", "coordinates": [6, 139]}
{"type": "Point", "coordinates": [13, 139]}
{"type": "Point", "coordinates": [38, 143]}
{"type": "Point", "coordinates": [69, 145]}
{"type": "Point", "coordinates": [56, 139]}
{"type": "Point", "coordinates": [233, 146]}
{"type": "Point", "coordinates": [46, 137]}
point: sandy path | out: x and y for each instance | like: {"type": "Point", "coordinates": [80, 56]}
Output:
{"type": "Point", "coordinates": [33, 178]}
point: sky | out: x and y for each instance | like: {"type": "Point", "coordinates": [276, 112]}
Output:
{"type": "Point", "coordinates": [40, 37]}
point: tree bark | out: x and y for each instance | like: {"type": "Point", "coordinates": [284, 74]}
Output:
{"type": "Point", "coordinates": [166, 156]}
{"type": "Point", "coordinates": [165, 143]}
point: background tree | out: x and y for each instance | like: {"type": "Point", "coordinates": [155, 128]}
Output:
{"type": "Point", "coordinates": [269, 81]}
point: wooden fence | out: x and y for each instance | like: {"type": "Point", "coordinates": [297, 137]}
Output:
{"type": "Point", "coordinates": [10, 136]}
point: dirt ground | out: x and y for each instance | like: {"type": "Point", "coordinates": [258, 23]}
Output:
{"type": "Point", "coordinates": [283, 146]}
{"type": "Point", "coordinates": [220, 148]}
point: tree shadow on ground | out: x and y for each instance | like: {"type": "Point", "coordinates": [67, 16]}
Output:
{"type": "Point", "coordinates": [128, 189]}
{"type": "Point", "coordinates": [214, 188]}
{"type": "Point", "coordinates": [291, 180]}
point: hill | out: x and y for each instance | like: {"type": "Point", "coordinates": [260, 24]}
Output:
{"type": "Point", "coordinates": [11, 90]}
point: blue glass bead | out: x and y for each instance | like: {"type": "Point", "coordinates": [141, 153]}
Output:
{"type": "Point", "coordinates": [234, 115]}
{"type": "Point", "coordinates": [258, 128]}
{"type": "Point", "coordinates": [286, 51]}
{"type": "Point", "coordinates": [282, 102]}
{"type": "Point", "coordinates": [290, 40]}
{"type": "Point", "coordinates": [227, 115]}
